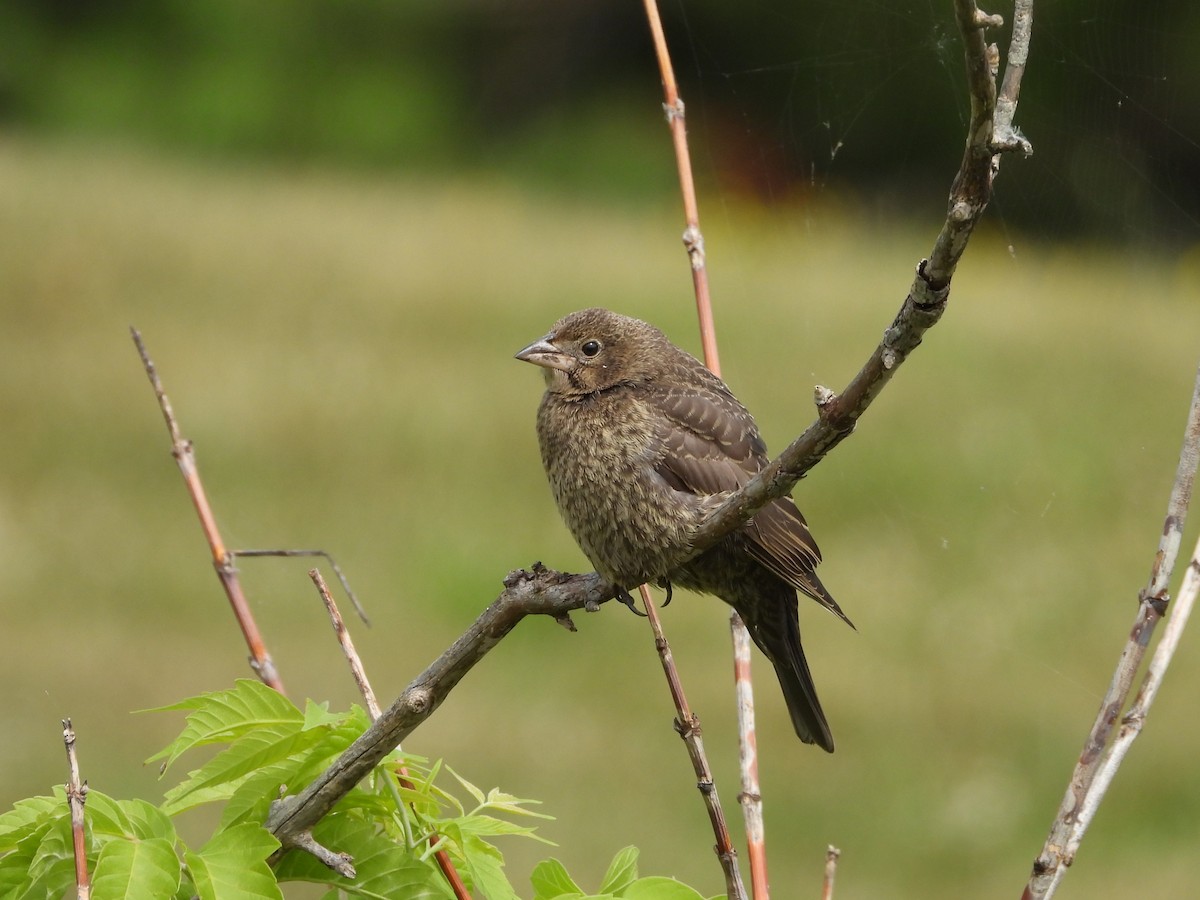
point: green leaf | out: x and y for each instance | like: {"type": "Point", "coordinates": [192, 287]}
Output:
{"type": "Point", "coordinates": [148, 821]}
{"type": "Point", "coordinates": [248, 754]}
{"type": "Point", "coordinates": [486, 868]}
{"type": "Point", "coordinates": [42, 864]}
{"type": "Point", "coordinates": [105, 817]}
{"type": "Point", "coordinates": [17, 878]}
{"type": "Point", "coordinates": [187, 887]}
{"type": "Point", "coordinates": [252, 798]}
{"type": "Point", "coordinates": [223, 716]}
{"type": "Point", "coordinates": [489, 826]}
{"type": "Point", "coordinates": [317, 715]}
{"type": "Point", "coordinates": [383, 868]}
{"type": "Point", "coordinates": [233, 865]}
{"type": "Point", "coordinates": [500, 801]}
{"type": "Point", "coordinates": [136, 869]}
{"type": "Point", "coordinates": [27, 816]}
{"type": "Point", "coordinates": [658, 887]}
{"type": "Point", "coordinates": [550, 879]}
{"type": "Point", "coordinates": [56, 848]}
{"type": "Point", "coordinates": [471, 789]}
{"type": "Point", "coordinates": [622, 871]}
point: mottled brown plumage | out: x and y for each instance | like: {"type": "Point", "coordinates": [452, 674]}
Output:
{"type": "Point", "coordinates": [640, 442]}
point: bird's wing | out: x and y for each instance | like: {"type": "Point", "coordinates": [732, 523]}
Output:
{"type": "Point", "coordinates": [711, 446]}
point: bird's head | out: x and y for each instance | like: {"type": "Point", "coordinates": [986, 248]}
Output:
{"type": "Point", "coordinates": [595, 349]}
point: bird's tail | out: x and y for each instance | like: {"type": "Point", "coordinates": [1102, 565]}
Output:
{"type": "Point", "coordinates": [776, 631]}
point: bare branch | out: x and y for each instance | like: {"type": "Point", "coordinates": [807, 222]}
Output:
{"type": "Point", "coordinates": [347, 644]}
{"type": "Point", "coordinates": [536, 592]}
{"type": "Point", "coordinates": [1005, 136]}
{"type": "Point", "coordinates": [832, 854]}
{"type": "Point", "coordinates": [342, 863]}
{"type": "Point", "coordinates": [185, 456]}
{"type": "Point", "coordinates": [1086, 788]}
{"type": "Point", "coordinates": [76, 798]}
{"type": "Point", "coordinates": [688, 726]}
{"type": "Point", "coordinates": [1132, 721]}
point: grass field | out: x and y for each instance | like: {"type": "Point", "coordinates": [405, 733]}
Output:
{"type": "Point", "coordinates": [339, 347]}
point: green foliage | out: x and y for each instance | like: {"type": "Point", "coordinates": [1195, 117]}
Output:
{"type": "Point", "coordinates": [551, 882]}
{"type": "Point", "coordinates": [266, 744]}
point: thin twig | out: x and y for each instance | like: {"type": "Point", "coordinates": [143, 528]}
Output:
{"type": "Point", "coordinates": [1085, 789]}
{"type": "Point", "coordinates": [693, 238]}
{"type": "Point", "coordinates": [1005, 135]}
{"type": "Point", "coordinates": [337, 570]}
{"type": "Point", "coordinates": [76, 798]}
{"type": "Point", "coordinates": [832, 854]}
{"type": "Point", "coordinates": [340, 862]}
{"type": "Point", "coordinates": [185, 456]}
{"type": "Point", "coordinates": [688, 726]}
{"type": "Point", "coordinates": [364, 687]}
{"type": "Point", "coordinates": [750, 795]}
{"type": "Point", "coordinates": [347, 644]}
{"type": "Point", "coordinates": [1135, 718]}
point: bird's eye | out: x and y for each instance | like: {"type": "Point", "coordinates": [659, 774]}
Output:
{"type": "Point", "coordinates": [590, 348]}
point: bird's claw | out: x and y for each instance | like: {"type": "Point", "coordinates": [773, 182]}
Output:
{"type": "Point", "coordinates": [667, 601]}
{"type": "Point", "coordinates": [625, 597]}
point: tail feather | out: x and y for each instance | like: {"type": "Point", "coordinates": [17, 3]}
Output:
{"type": "Point", "coordinates": [776, 631]}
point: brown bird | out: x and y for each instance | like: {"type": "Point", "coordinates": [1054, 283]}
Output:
{"type": "Point", "coordinates": [640, 443]}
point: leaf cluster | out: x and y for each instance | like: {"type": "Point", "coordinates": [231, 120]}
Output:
{"type": "Point", "coordinates": [391, 824]}
{"type": "Point", "coordinates": [551, 882]}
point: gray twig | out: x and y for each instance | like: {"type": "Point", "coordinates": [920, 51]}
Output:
{"type": "Point", "coordinates": [337, 571]}
{"type": "Point", "coordinates": [1098, 761]}
{"type": "Point", "coordinates": [346, 643]}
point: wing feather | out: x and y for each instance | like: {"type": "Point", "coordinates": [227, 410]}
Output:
{"type": "Point", "coordinates": [712, 446]}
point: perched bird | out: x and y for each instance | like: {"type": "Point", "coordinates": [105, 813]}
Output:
{"type": "Point", "coordinates": [640, 443]}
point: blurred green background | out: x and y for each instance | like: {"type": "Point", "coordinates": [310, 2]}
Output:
{"type": "Point", "coordinates": [334, 225]}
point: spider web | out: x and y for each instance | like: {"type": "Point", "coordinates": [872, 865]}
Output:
{"type": "Point", "coordinates": [875, 106]}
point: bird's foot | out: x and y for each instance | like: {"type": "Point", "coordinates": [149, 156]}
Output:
{"type": "Point", "coordinates": [625, 597]}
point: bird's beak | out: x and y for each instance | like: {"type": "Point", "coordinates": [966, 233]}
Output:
{"type": "Point", "coordinates": [543, 353]}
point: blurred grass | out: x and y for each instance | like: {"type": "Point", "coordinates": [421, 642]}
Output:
{"type": "Point", "coordinates": [339, 348]}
